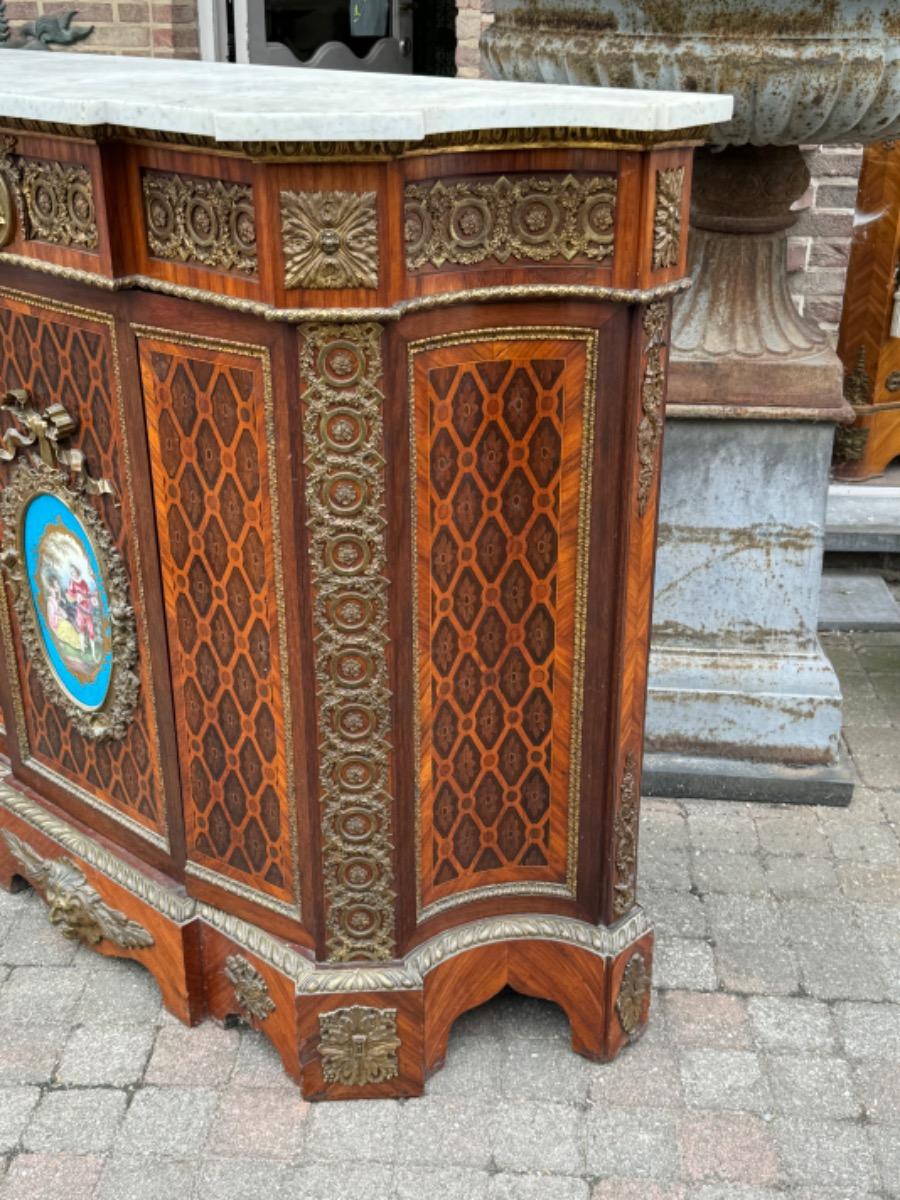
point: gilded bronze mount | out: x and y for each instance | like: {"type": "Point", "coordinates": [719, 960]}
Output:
{"type": "Point", "coordinates": [62, 473]}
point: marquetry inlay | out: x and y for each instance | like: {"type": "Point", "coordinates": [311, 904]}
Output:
{"type": "Point", "coordinates": [505, 428]}
{"type": "Point", "coordinates": [361, 446]}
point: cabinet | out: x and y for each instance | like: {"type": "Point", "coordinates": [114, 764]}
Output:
{"type": "Point", "coordinates": [330, 470]}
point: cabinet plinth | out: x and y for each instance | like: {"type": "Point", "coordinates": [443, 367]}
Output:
{"type": "Point", "coordinates": [329, 508]}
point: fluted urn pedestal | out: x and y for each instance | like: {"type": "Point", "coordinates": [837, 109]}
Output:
{"type": "Point", "coordinates": [740, 339]}
{"type": "Point", "coordinates": [742, 702]}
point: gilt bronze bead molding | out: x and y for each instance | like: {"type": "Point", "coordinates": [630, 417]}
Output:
{"type": "Point", "coordinates": [174, 905]}
{"type": "Point", "coordinates": [255, 940]}
{"type": "Point", "coordinates": [351, 316]}
{"type": "Point", "coordinates": [245, 891]}
{"type": "Point", "coordinates": [309, 979]}
{"type": "Point", "coordinates": [408, 974]}
{"type": "Point", "coordinates": [549, 138]}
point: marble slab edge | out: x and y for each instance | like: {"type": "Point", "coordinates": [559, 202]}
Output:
{"type": "Point", "coordinates": [230, 102]}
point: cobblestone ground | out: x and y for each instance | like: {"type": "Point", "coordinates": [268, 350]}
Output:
{"type": "Point", "coordinates": [771, 1068]}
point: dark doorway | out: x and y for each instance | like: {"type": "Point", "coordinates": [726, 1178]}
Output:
{"type": "Point", "coordinates": [434, 37]}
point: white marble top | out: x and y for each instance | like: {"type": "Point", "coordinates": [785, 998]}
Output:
{"type": "Point", "coordinates": [249, 103]}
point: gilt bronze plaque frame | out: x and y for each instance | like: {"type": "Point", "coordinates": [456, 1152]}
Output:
{"type": "Point", "coordinates": [31, 479]}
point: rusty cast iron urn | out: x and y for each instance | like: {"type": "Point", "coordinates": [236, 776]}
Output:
{"type": "Point", "coordinates": [801, 73]}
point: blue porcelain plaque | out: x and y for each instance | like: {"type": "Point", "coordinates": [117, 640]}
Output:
{"type": "Point", "coordinates": [69, 598]}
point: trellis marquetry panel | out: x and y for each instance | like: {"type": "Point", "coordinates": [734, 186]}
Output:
{"type": "Point", "coordinates": [67, 356]}
{"type": "Point", "coordinates": [209, 422]}
{"type": "Point", "coordinates": [500, 440]}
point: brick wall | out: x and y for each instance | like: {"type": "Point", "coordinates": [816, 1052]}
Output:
{"type": "Point", "coordinates": [819, 247]}
{"type": "Point", "coordinates": [472, 18]}
{"type": "Point", "coordinates": [135, 27]}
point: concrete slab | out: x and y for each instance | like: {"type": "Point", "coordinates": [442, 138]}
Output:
{"type": "Point", "coordinates": [856, 600]}
{"type": "Point", "coordinates": [863, 518]}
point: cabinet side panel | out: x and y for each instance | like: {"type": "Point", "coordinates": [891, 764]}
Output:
{"type": "Point", "coordinates": [68, 356]}
{"type": "Point", "coordinates": [209, 421]}
{"type": "Point", "coordinates": [500, 438]}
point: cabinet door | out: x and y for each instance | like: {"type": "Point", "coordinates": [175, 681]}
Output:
{"type": "Point", "coordinates": [210, 428]}
{"type": "Point", "coordinates": [504, 438]}
{"type": "Point", "coordinates": [93, 748]}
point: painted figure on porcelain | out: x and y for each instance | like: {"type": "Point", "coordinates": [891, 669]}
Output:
{"type": "Point", "coordinates": [69, 599]}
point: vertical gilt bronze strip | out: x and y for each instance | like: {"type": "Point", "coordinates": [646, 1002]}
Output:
{"type": "Point", "coordinates": [625, 834]}
{"type": "Point", "coordinates": [653, 388]}
{"type": "Point", "coordinates": [342, 423]}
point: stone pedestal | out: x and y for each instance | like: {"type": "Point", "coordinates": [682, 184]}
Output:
{"type": "Point", "coordinates": [743, 702]}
